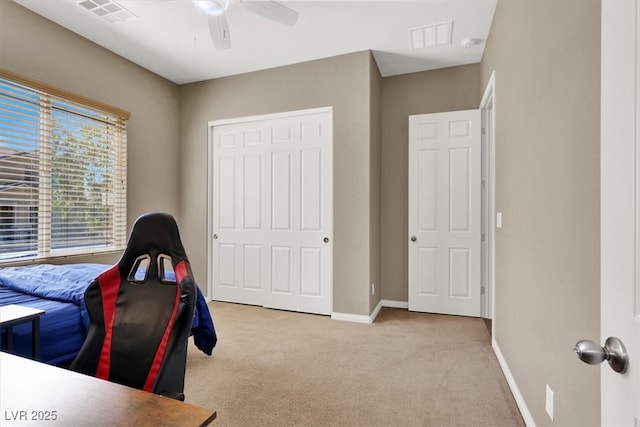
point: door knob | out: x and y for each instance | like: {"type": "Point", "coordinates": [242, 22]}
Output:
{"type": "Point", "coordinates": [613, 352]}
{"type": "Point", "coordinates": [326, 240]}
{"type": "Point", "coordinates": [215, 236]}
{"type": "Point", "coordinates": [414, 238]}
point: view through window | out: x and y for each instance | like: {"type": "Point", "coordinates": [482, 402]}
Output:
{"type": "Point", "coordinates": [62, 175]}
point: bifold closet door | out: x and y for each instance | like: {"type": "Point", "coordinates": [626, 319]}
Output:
{"type": "Point", "coordinates": [272, 215]}
{"type": "Point", "coordinates": [298, 222]}
{"type": "Point", "coordinates": [238, 224]}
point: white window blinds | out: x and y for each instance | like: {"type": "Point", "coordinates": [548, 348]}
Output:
{"type": "Point", "coordinates": [62, 175]}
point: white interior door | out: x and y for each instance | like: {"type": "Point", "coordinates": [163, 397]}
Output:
{"type": "Point", "coordinates": [445, 213]}
{"type": "Point", "coordinates": [272, 214]}
{"type": "Point", "coordinates": [620, 207]}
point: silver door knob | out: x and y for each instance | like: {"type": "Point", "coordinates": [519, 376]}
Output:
{"type": "Point", "coordinates": [215, 236]}
{"type": "Point", "coordinates": [414, 238]}
{"type": "Point", "coordinates": [326, 240]}
{"type": "Point", "coordinates": [613, 352]}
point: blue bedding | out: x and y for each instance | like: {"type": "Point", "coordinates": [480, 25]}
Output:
{"type": "Point", "coordinates": [62, 331]}
{"type": "Point", "coordinates": [59, 290]}
{"type": "Point", "coordinates": [64, 283]}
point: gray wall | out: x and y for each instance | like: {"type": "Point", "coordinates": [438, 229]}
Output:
{"type": "Point", "coordinates": [547, 187]}
{"type": "Point", "coordinates": [436, 91]}
{"type": "Point", "coordinates": [342, 82]}
{"type": "Point", "coordinates": [42, 50]}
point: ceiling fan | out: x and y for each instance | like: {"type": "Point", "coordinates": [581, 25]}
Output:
{"type": "Point", "coordinates": [219, 28]}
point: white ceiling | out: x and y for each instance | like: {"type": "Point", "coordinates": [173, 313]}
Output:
{"type": "Point", "coordinates": [171, 37]}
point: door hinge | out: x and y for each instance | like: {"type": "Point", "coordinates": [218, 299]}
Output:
{"type": "Point", "coordinates": [483, 131]}
{"type": "Point", "coordinates": [482, 237]}
{"type": "Point", "coordinates": [482, 291]}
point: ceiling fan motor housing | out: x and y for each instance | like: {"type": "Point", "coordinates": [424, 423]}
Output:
{"type": "Point", "coordinates": [212, 7]}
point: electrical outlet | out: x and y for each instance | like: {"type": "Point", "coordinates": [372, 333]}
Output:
{"type": "Point", "coordinates": [373, 289]}
{"type": "Point", "coordinates": [548, 402]}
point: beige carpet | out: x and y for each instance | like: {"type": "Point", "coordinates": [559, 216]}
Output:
{"type": "Point", "coordinates": [277, 368]}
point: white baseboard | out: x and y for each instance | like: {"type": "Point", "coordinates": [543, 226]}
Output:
{"type": "Point", "coordinates": [522, 405]}
{"type": "Point", "coordinates": [394, 304]}
{"type": "Point", "coordinates": [376, 311]}
{"type": "Point", "coordinates": [357, 318]}
{"type": "Point", "coordinates": [361, 318]}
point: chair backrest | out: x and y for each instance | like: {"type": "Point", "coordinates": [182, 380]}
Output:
{"type": "Point", "coordinates": [141, 311]}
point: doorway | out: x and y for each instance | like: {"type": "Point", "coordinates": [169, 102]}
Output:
{"type": "Point", "coordinates": [487, 208]}
{"type": "Point", "coordinates": [445, 169]}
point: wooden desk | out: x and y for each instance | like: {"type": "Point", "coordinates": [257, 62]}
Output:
{"type": "Point", "coordinates": [13, 314]}
{"type": "Point", "coordinates": [33, 394]}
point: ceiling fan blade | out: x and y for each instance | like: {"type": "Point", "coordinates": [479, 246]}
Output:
{"type": "Point", "coordinates": [272, 10]}
{"type": "Point", "coordinates": [219, 30]}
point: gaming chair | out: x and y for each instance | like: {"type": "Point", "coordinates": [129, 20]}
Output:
{"type": "Point", "coordinates": [141, 311]}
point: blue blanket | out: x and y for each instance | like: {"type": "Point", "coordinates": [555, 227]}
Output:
{"type": "Point", "coordinates": [67, 283]}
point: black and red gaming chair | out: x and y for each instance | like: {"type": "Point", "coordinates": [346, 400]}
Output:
{"type": "Point", "coordinates": [141, 311]}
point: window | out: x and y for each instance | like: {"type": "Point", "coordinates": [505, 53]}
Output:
{"type": "Point", "coordinates": [62, 173]}
{"type": "Point", "coordinates": [7, 219]}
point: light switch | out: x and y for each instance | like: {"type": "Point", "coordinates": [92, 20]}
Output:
{"type": "Point", "coordinates": [548, 402]}
{"type": "Point", "coordinates": [498, 219]}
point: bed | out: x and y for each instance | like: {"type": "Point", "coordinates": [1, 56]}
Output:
{"type": "Point", "coordinates": [59, 290]}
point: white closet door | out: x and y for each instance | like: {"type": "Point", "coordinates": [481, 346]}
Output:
{"type": "Point", "coordinates": [298, 222]}
{"type": "Point", "coordinates": [238, 213]}
{"type": "Point", "coordinates": [444, 213]}
{"type": "Point", "coordinates": [272, 212]}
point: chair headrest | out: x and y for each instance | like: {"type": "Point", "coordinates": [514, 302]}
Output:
{"type": "Point", "coordinates": [153, 234]}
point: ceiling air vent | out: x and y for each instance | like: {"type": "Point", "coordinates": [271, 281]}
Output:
{"type": "Point", "coordinates": [431, 35]}
{"type": "Point", "coordinates": [108, 10]}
